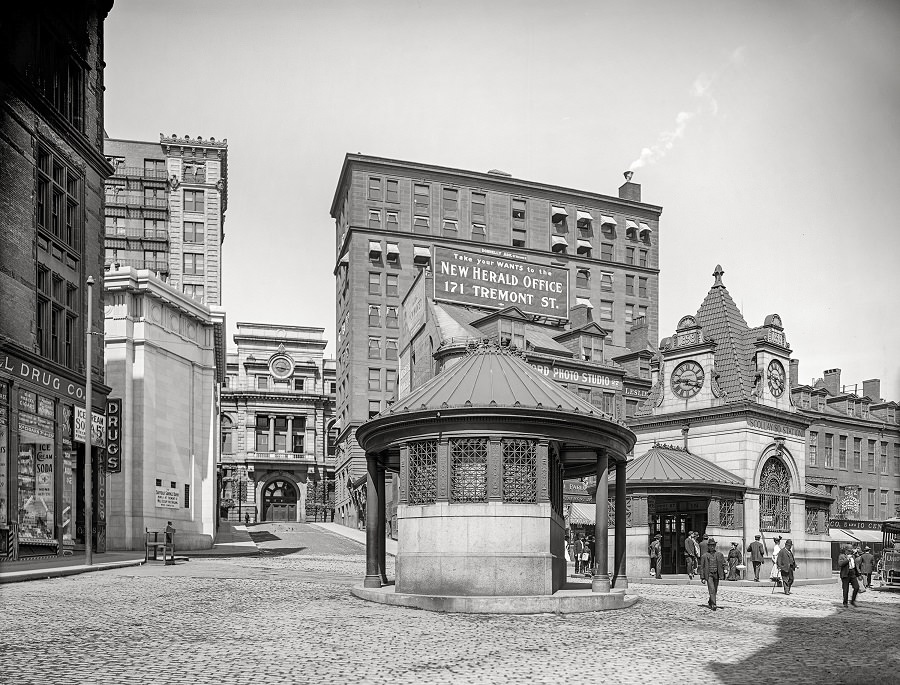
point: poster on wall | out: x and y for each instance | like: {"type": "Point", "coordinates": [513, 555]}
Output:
{"type": "Point", "coordinates": [4, 442]}
{"type": "Point", "coordinates": [167, 498]}
{"type": "Point", "coordinates": [98, 427]}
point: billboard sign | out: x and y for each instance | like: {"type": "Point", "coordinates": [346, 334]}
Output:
{"type": "Point", "coordinates": [483, 280]}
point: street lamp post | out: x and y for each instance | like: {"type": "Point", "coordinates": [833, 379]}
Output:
{"type": "Point", "coordinates": [88, 462]}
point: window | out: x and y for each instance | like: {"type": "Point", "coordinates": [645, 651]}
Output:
{"type": "Point", "coordinates": [585, 394]}
{"type": "Point", "coordinates": [262, 433]}
{"type": "Point", "coordinates": [606, 310]}
{"type": "Point", "coordinates": [606, 252]}
{"type": "Point", "coordinates": [390, 318]}
{"type": "Point", "coordinates": [644, 371]}
{"type": "Point", "coordinates": [512, 333]}
{"type": "Point", "coordinates": [392, 192]}
{"type": "Point", "coordinates": [871, 505]}
{"type": "Point", "coordinates": [884, 504]}
{"type": "Point", "coordinates": [450, 228]}
{"type": "Point", "coordinates": [871, 457]}
{"type": "Point", "coordinates": [374, 188]}
{"type": "Point", "coordinates": [421, 200]}
{"type": "Point", "coordinates": [187, 496]}
{"type": "Point", "coordinates": [193, 231]}
{"type": "Point", "coordinates": [374, 218]}
{"type": "Point", "coordinates": [592, 348]}
{"type": "Point", "coordinates": [813, 448]}
{"type": "Point", "coordinates": [519, 234]}
{"type": "Point", "coordinates": [857, 457]}
{"type": "Point", "coordinates": [58, 199]}
{"type": "Point", "coordinates": [642, 311]}
{"type": "Point", "coordinates": [421, 225]}
{"type": "Point", "coordinates": [629, 255]}
{"type": "Point", "coordinates": [629, 313]}
{"type": "Point", "coordinates": [374, 315]}
{"type": "Point", "coordinates": [390, 380]}
{"type": "Point", "coordinates": [897, 461]}
{"type": "Point", "coordinates": [642, 287]}
{"type": "Point", "coordinates": [629, 285]}
{"type": "Point", "coordinates": [374, 348]}
{"type": "Point", "coordinates": [478, 208]}
{"type": "Point", "coordinates": [194, 291]}
{"type": "Point", "coordinates": [606, 281]}
{"type": "Point", "coordinates": [390, 348]}
{"type": "Point", "coordinates": [60, 78]}
{"type": "Point", "coordinates": [519, 237]}
{"type": "Point", "coordinates": [643, 258]}
{"type": "Point", "coordinates": [479, 233]}
{"type": "Point", "coordinates": [374, 408]}
{"type": "Point", "coordinates": [193, 264]}
{"type": "Point", "coordinates": [450, 203]}
{"type": "Point", "coordinates": [299, 384]}
{"type": "Point", "coordinates": [156, 228]}
{"type": "Point", "coordinates": [518, 210]}
{"type": "Point", "coordinates": [193, 201]}
{"type": "Point", "coordinates": [842, 451]}
{"type": "Point", "coordinates": [332, 387]}
{"type": "Point", "coordinates": [583, 278]}
{"type": "Point", "coordinates": [884, 458]}
{"type": "Point", "coordinates": [392, 285]}
{"type": "Point", "coordinates": [154, 168]}
{"type": "Point", "coordinates": [374, 283]}
{"type": "Point", "coordinates": [374, 379]}
{"type": "Point", "coordinates": [774, 497]}
{"type": "Point", "coordinates": [829, 442]}
{"type": "Point", "coordinates": [393, 222]}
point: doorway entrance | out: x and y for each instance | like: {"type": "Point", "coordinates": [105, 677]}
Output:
{"type": "Point", "coordinates": [280, 501]}
{"type": "Point", "coordinates": [673, 520]}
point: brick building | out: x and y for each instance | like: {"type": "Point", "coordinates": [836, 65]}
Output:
{"type": "Point", "coordinates": [277, 425]}
{"type": "Point", "coordinates": [392, 218]}
{"type": "Point", "coordinates": [165, 210]}
{"type": "Point", "coordinates": [853, 451]}
{"type": "Point", "coordinates": [52, 172]}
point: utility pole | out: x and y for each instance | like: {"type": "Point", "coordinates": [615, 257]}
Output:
{"type": "Point", "coordinates": [88, 462]}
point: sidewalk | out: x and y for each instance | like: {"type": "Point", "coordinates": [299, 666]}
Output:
{"type": "Point", "coordinates": [232, 540]}
{"type": "Point", "coordinates": [390, 546]}
{"type": "Point", "coordinates": [56, 567]}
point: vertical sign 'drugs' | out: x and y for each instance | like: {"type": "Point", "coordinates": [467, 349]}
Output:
{"type": "Point", "coordinates": [113, 435]}
{"type": "Point", "coordinates": [487, 280]}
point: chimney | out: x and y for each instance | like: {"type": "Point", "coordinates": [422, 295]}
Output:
{"type": "Point", "coordinates": [872, 389]}
{"type": "Point", "coordinates": [639, 334]}
{"type": "Point", "coordinates": [629, 190]}
{"type": "Point", "coordinates": [579, 315]}
{"type": "Point", "coordinates": [795, 373]}
{"type": "Point", "coordinates": [833, 381]}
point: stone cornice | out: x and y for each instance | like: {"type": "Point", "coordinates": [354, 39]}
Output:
{"type": "Point", "coordinates": [719, 414]}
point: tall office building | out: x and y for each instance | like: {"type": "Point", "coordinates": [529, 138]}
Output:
{"type": "Point", "coordinates": [395, 218]}
{"type": "Point", "coordinates": [165, 210]}
{"type": "Point", "coordinates": [52, 172]}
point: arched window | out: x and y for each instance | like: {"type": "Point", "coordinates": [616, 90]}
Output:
{"type": "Point", "coordinates": [774, 497]}
{"type": "Point", "coordinates": [227, 434]}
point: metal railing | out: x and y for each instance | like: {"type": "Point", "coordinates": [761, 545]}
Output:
{"type": "Point", "coordinates": [154, 265]}
{"type": "Point", "coordinates": [139, 233]}
{"type": "Point", "coordinates": [251, 387]}
{"type": "Point", "coordinates": [140, 172]}
{"type": "Point", "coordinates": [136, 200]}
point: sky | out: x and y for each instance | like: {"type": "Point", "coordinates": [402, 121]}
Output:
{"type": "Point", "coordinates": [769, 133]}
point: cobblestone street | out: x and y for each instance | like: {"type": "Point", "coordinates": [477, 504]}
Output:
{"type": "Point", "coordinates": [287, 616]}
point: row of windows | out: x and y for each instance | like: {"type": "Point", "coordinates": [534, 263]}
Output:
{"type": "Point", "coordinates": [58, 199]}
{"type": "Point", "coordinates": [375, 347]}
{"type": "Point", "coordinates": [391, 284]}
{"type": "Point", "coordinates": [390, 380]}
{"type": "Point", "coordinates": [391, 319]}
{"type": "Point", "coordinates": [583, 280]}
{"type": "Point", "coordinates": [274, 433]}
{"type": "Point", "coordinates": [844, 458]}
{"type": "Point", "coordinates": [57, 317]}
{"type": "Point", "coordinates": [605, 310]}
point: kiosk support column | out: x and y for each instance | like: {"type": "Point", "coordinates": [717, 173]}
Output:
{"type": "Point", "coordinates": [600, 582]}
{"type": "Point", "coordinates": [373, 573]}
{"type": "Point", "coordinates": [620, 578]}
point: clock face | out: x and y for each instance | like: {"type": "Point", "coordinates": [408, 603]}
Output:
{"type": "Point", "coordinates": [282, 367]}
{"type": "Point", "coordinates": [776, 377]}
{"type": "Point", "coordinates": [687, 379]}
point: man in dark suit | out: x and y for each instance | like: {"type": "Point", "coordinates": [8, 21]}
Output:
{"type": "Point", "coordinates": [757, 555]}
{"type": "Point", "coordinates": [786, 565]}
{"type": "Point", "coordinates": [579, 548]}
{"type": "Point", "coordinates": [867, 565]}
{"type": "Point", "coordinates": [712, 570]}
{"type": "Point", "coordinates": [847, 568]}
{"type": "Point", "coordinates": [690, 554]}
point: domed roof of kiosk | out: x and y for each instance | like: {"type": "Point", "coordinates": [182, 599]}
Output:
{"type": "Point", "coordinates": [491, 376]}
{"type": "Point", "coordinates": [674, 465]}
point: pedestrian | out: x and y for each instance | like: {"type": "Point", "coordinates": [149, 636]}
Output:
{"type": "Point", "coordinates": [578, 549]}
{"type": "Point", "coordinates": [774, 575]}
{"type": "Point", "coordinates": [734, 558]}
{"type": "Point", "coordinates": [567, 551]}
{"type": "Point", "coordinates": [712, 570]}
{"type": "Point", "coordinates": [656, 556]}
{"type": "Point", "coordinates": [867, 566]}
{"type": "Point", "coordinates": [847, 568]}
{"type": "Point", "coordinates": [690, 554]}
{"type": "Point", "coordinates": [786, 565]}
{"type": "Point", "coordinates": [757, 554]}
{"type": "Point", "coordinates": [246, 519]}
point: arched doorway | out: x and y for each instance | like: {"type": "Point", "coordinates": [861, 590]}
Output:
{"type": "Point", "coordinates": [279, 501]}
{"type": "Point", "coordinates": [775, 497]}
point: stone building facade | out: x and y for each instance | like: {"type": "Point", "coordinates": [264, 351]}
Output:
{"type": "Point", "coordinates": [165, 361]}
{"type": "Point", "coordinates": [165, 210]}
{"type": "Point", "coordinates": [394, 218]}
{"type": "Point", "coordinates": [278, 429]}
{"type": "Point", "coordinates": [52, 172]}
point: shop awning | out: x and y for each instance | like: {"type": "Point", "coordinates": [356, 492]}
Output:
{"type": "Point", "coordinates": [584, 216]}
{"type": "Point", "coordinates": [841, 535]}
{"type": "Point", "coordinates": [558, 213]}
{"type": "Point", "coordinates": [582, 514]}
{"type": "Point", "coordinates": [852, 535]}
{"type": "Point", "coordinates": [607, 220]}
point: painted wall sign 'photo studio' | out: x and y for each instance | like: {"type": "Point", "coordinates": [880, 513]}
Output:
{"type": "Point", "coordinates": [492, 282]}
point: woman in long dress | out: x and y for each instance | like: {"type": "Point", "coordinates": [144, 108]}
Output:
{"type": "Point", "coordinates": [734, 558]}
{"type": "Point", "coordinates": [775, 576]}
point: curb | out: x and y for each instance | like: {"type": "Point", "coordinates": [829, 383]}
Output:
{"type": "Point", "coordinates": [47, 573]}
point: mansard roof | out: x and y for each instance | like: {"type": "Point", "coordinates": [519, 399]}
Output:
{"type": "Point", "coordinates": [675, 465]}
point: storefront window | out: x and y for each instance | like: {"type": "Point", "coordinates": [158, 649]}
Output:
{"type": "Point", "coordinates": [35, 477]}
{"type": "Point", "coordinates": [69, 464]}
{"type": "Point", "coordinates": [4, 452]}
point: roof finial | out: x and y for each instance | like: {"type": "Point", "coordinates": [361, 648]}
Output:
{"type": "Point", "coordinates": [718, 274]}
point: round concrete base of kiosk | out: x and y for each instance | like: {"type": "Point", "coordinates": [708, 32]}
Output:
{"type": "Point", "coordinates": [561, 602]}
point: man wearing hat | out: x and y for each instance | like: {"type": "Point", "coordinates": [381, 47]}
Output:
{"type": "Point", "coordinates": [712, 570]}
{"type": "Point", "coordinates": [787, 565]}
{"type": "Point", "coordinates": [757, 554]}
{"type": "Point", "coordinates": [867, 565]}
{"type": "Point", "coordinates": [656, 555]}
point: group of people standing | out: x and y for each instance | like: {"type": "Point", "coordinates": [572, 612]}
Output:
{"type": "Point", "coordinates": [854, 566]}
{"type": "Point", "coordinates": [581, 551]}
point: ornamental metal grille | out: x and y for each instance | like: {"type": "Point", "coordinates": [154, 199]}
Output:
{"type": "Point", "coordinates": [519, 470]}
{"type": "Point", "coordinates": [774, 497]}
{"type": "Point", "coordinates": [468, 470]}
{"type": "Point", "coordinates": [726, 513]}
{"type": "Point", "coordinates": [611, 512]}
{"type": "Point", "coordinates": [812, 520]}
{"type": "Point", "coordinates": [556, 481]}
{"type": "Point", "coordinates": [422, 487]}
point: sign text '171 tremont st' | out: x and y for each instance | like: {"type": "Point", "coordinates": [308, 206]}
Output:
{"type": "Point", "coordinates": [488, 281]}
